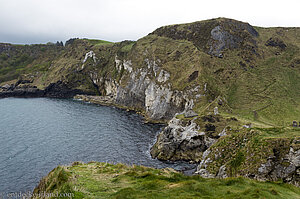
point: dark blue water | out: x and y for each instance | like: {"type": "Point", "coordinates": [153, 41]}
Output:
{"type": "Point", "coordinates": [36, 135]}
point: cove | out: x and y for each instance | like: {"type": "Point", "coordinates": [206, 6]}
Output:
{"type": "Point", "coordinates": [38, 134]}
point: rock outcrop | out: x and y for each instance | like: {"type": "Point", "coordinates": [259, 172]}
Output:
{"type": "Point", "coordinates": [213, 36]}
{"type": "Point", "coordinates": [23, 88]}
{"type": "Point", "coordinates": [243, 153]}
{"type": "Point", "coordinates": [181, 141]}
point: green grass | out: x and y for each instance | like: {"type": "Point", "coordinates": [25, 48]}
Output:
{"type": "Point", "coordinates": [287, 132]}
{"type": "Point", "coordinates": [102, 180]}
{"type": "Point", "coordinates": [127, 48]}
{"type": "Point", "coordinates": [97, 42]}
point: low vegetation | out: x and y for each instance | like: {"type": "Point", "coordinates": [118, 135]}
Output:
{"type": "Point", "coordinates": [103, 180]}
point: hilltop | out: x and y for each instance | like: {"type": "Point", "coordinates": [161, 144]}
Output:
{"type": "Point", "coordinates": [227, 90]}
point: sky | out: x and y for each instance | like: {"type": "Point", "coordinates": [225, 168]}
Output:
{"type": "Point", "coordinates": [42, 21]}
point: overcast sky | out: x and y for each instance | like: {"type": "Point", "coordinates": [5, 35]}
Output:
{"type": "Point", "coordinates": [40, 21]}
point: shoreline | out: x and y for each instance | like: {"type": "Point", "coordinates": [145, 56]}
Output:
{"type": "Point", "coordinates": [135, 118]}
{"type": "Point", "coordinates": [109, 101]}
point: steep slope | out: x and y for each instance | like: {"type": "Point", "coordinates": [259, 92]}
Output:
{"type": "Point", "coordinates": [68, 71]}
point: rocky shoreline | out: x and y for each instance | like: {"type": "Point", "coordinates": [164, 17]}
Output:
{"type": "Point", "coordinates": [198, 140]}
{"type": "Point", "coordinates": [26, 90]}
{"type": "Point", "coordinates": [185, 139]}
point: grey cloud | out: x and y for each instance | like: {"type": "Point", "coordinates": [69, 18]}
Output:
{"type": "Point", "coordinates": [40, 21]}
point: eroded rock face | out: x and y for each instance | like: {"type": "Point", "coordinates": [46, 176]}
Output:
{"type": "Point", "coordinates": [159, 102]}
{"type": "Point", "coordinates": [133, 94]}
{"type": "Point", "coordinates": [222, 39]}
{"type": "Point", "coordinates": [90, 54]}
{"type": "Point", "coordinates": [142, 91]}
{"type": "Point", "coordinates": [280, 163]}
{"type": "Point", "coordinates": [181, 141]}
{"type": "Point", "coordinates": [275, 42]}
{"type": "Point", "coordinates": [163, 76]}
{"type": "Point", "coordinates": [286, 168]}
{"type": "Point", "coordinates": [213, 36]}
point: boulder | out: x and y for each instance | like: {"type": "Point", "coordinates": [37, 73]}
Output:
{"type": "Point", "coordinates": [6, 86]}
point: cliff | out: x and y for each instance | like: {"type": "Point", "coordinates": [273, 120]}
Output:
{"type": "Point", "coordinates": [212, 81]}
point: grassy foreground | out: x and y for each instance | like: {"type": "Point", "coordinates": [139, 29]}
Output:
{"type": "Point", "coordinates": [103, 180]}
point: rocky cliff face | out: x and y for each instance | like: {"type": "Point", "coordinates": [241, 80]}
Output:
{"type": "Point", "coordinates": [249, 153]}
{"type": "Point", "coordinates": [181, 140]}
{"type": "Point", "coordinates": [144, 91]}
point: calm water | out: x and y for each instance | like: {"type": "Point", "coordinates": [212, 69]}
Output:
{"type": "Point", "coordinates": [38, 134]}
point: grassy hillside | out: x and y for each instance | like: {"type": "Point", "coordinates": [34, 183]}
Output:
{"type": "Point", "coordinates": [256, 75]}
{"type": "Point", "coordinates": [257, 84]}
{"type": "Point", "coordinates": [102, 180]}
{"type": "Point", "coordinates": [18, 60]}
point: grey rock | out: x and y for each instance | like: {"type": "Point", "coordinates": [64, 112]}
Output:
{"type": "Point", "coordinates": [204, 173]}
{"type": "Point", "coordinates": [186, 141]}
{"type": "Point", "coordinates": [7, 86]}
{"type": "Point", "coordinates": [216, 111]}
{"type": "Point", "coordinates": [294, 157]}
{"type": "Point", "coordinates": [223, 133]}
{"type": "Point", "coordinates": [143, 93]}
{"type": "Point", "coordinates": [222, 172]}
{"type": "Point", "coordinates": [190, 113]}
{"type": "Point", "coordinates": [276, 42]}
{"type": "Point", "coordinates": [247, 126]}
{"type": "Point", "coordinates": [222, 40]}
{"type": "Point", "coordinates": [163, 76]}
{"type": "Point", "coordinates": [265, 168]}
{"type": "Point", "coordinates": [90, 54]}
